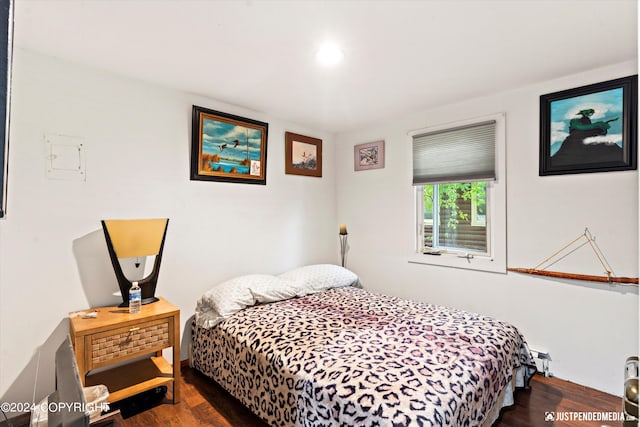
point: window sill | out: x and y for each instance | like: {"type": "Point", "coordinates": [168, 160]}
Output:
{"type": "Point", "coordinates": [452, 260]}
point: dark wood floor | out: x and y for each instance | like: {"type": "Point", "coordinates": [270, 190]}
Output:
{"type": "Point", "coordinates": [205, 403]}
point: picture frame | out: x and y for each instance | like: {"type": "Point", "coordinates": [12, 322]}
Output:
{"type": "Point", "coordinates": [368, 156]}
{"type": "Point", "coordinates": [303, 155]}
{"type": "Point", "coordinates": [590, 128]}
{"type": "Point", "coordinates": [6, 54]}
{"type": "Point", "coordinates": [228, 148]}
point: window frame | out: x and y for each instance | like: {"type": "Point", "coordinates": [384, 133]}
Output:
{"type": "Point", "coordinates": [495, 260]}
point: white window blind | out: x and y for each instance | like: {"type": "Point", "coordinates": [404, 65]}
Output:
{"type": "Point", "coordinates": [461, 154]}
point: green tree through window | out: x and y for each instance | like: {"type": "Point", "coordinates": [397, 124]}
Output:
{"type": "Point", "coordinates": [448, 218]}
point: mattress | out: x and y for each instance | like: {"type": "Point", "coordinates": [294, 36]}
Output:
{"type": "Point", "coordinates": [350, 357]}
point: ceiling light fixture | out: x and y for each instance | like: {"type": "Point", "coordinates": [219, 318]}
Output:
{"type": "Point", "coordinates": [329, 54]}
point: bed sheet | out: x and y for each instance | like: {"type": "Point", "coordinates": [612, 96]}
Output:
{"type": "Point", "coordinates": [350, 357]}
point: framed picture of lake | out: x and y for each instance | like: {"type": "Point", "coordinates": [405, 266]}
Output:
{"type": "Point", "coordinates": [590, 128]}
{"type": "Point", "coordinates": [228, 148]}
{"type": "Point", "coordinates": [303, 155]}
{"type": "Point", "coordinates": [368, 156]}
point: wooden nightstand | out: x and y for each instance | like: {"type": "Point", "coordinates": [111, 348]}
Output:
{"type": "Point", "coordinates": [115, 336]}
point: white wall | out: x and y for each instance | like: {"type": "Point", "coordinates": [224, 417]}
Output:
{"type": "Point", "coordinates": [589, 329]}
{"type": "Point", "coordinates": [137, 136]}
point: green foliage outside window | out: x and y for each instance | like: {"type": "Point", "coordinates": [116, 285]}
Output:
{"type": "Point", "coordinates": [448, 195]}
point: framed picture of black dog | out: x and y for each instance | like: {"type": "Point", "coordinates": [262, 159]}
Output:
{"type": "Point", "coordinates": [590, 128]}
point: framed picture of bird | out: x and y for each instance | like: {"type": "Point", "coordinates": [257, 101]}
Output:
{"type": "Point", "coordinates": [368, 156]}
{"type": "Point", "coordinates": [228, 148]}
{"type": "Point", "coordinates": [590, 128]}
{"type": "Point", "coordinates": [303, 155]}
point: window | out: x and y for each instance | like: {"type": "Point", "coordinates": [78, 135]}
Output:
{"type": "Point", "coordinates": [454, 217]}
{"type": "Point", "coordinates": [458, 174]}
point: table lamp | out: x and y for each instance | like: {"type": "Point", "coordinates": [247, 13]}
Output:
{"type": "Point", "coordinates": [133, 238]}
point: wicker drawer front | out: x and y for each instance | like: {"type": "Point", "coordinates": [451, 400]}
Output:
{"type": "Point", "coordinates": [126, 343]}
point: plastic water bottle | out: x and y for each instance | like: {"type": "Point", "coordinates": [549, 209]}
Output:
{"type": "Point", "coordinates": [135, 298]}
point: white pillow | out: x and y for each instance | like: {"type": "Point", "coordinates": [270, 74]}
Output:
{"type": "Point", "coordinates": [272, 290]}
{"type": "Point", "coordinates": [233, 295]}
{"type": "Point", "coordinates": [316, 278]}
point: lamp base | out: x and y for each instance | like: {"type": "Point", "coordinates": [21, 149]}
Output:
{"type": "Point", "coordinates": [343, 247]}
{"type": "Point", "coordinates": [144, 302]}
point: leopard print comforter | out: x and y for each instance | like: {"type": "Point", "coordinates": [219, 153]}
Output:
{"type": "Point", "coordinates": [349, 357]}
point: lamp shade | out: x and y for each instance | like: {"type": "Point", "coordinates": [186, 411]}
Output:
{"type": "Point", "coordinates": [136, 237]}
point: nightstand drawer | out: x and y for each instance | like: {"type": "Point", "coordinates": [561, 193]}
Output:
{"type": "Point", "coordinates": [125, 343]}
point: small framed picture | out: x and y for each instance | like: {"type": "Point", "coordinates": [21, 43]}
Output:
{"type": "Point", "coordinates": [590, 128]}
{"type": "Point", "coordinates": [303, 155]}
{"type": "Point", "coordinates": [368, 156]}
{"type": "Point", "coordinates": [228, 148]}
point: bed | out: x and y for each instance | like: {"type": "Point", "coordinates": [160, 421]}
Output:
{"type": "Point", "coordinates": [312, 348]}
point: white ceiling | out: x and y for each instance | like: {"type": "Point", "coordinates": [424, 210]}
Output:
{"type": "Point", "coordinates": [400, 56]}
